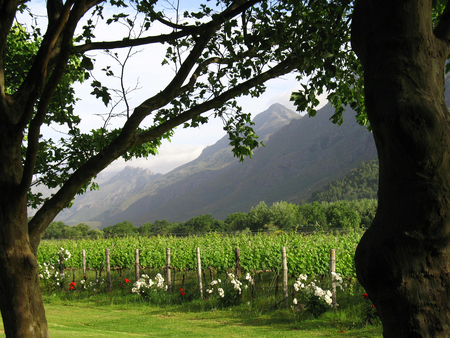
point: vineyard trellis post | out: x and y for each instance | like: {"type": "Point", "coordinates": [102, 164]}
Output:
{"type": "Point", "coordinates": [108, 270]}
{"type": "Point", "coordinates": [199, 273]}
{"type": "Point", "coordinates": [238, 262]}
{"type": "Point", "coordinates": [285, 275]}
{"type": "Point", "coordinates": [136, 264]}
{"type": "Point", "coordinates": [168, 274]}
{"type": "Point", "coordinates": [332, 272]}
{"type": "Point", "coordinates": [83, 255]}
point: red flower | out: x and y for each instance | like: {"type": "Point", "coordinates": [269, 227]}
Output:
{"type": "Point", "coordinates": [182, 293]}
{"type": "Point", "coordinates": [366, 296]}
{"type": "Point", "coordinates": [373, 306]}
{"type": "Point", "coordinates": [72, 286]}
{"type": "Point", "coordinates": [127, 280]}
{"type": "Point", "coordinates": [181, 289]}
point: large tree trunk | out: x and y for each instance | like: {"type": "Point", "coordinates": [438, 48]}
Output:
{"type": "Point", "coordinates": [403, 259]}
{"type": "Point", "coordinates": [21, 303]}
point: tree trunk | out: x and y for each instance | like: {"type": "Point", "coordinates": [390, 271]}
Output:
{"type": "Point", "coordinates": [403, 258]}
{"type": "Point", "coordinates": [21, 303]}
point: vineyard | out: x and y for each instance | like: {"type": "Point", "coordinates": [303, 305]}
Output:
{"type": "Point", "coordinates": [307, 254]}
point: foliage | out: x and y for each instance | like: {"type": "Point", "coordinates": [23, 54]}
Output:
{"type": "Point", "coordinates": [200, 224]}
{"type": "Point", "coordinates": [121, 228]}
{"type": "Point", "coordinates": [305, 253]}
{"type": "Point", "coordinates": [279, 216]}
{"type": "Point", "coordinates": [361, 183]}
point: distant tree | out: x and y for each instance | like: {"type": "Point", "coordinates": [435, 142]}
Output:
{"type": "Point", "coordinates": [341, 215]}
{"type": "Point", "coordinates": [146, 229]}
{"type": "Point", "coordinates": [55, 230]}
{"type": "Point", "coordinates": [236, 222]}
{"type": "Point", "coordinates": [95, 233]}
{"type": "Point", "coordinates": [366, 208]}
{"type": "Point", "coordinates": [163, 226]}
{"type": "Point", "coordinates": [312, 214]}
{"type": "Point", "coordinates": [72, 232]}
{"type": "Point", "coordinates": [283, 215]}
{"type": "Point", "coordinates": [201, 224]}
{"type": "Point", "coordinates": [122, 228]}
{"type": "Point", "coordinates": [258, 216]}
{"type": "Point", "coordinates": [83, 229]}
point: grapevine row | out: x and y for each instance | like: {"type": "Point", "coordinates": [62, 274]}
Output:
{"type": "Point", "coordinates": [305, 253]}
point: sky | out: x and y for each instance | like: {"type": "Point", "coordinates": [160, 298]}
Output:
{"type": "Point", "coordinates": [145, 71]}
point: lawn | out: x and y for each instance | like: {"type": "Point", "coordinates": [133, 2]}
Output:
{"type": "Point", "coordinates": [115, 318]}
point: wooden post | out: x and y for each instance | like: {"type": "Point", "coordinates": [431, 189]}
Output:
{"type": "Point", "coordinates": [136, 264]}
{"type": "Point", "coordinates": [83, 253]}
{"type": "Point", "coordinates": [199, 273]}
{"type": "Point", "coordinates": [238, 263]}
{"type": "Point", "coordinates": [168, 275]}
{"type": "Point", "coordinates": [332, 271]}
{"type": "Point", "coordinates": [108, 270]}
{"type": "Point", "coordinates": [285, 276]}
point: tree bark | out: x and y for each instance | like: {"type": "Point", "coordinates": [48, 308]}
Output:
{"type": "Point", "coordinates": [403, 259]}
{"type": "Point", "coordinates": [21, 303]}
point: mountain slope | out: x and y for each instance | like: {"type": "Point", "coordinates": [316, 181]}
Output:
{"type": "Point", "coordinates": [114, 190]}
{"type": "Point", "coordinates": [127, 187]}
{"type": "Point", "coordinates": [298, 159]}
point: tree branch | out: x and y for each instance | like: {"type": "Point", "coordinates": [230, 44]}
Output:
{"type": "Point", "coordinates": [34, 83]}
{"type": "Point", "coordinates": [128, 138]}
{"type": "Point", "coordinates": [230, 12]}
{"type": "Point", "coordinates": [7, 13]}
{"type": "Point", "coordinates": [281, 69]}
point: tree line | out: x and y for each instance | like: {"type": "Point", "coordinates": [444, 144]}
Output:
{"type": "Point", "coordinates": [280, 216]}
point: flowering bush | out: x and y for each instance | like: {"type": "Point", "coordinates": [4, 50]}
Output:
{"type": "Point", "coordinates": [230, 291]}
{"type": "Point", "coordinates": [145, 286]}
{"type": "Point", "coordinates": [73, 286]}
{"type": "Point", "coordinates": [317, 300]}
{"type": "Point", "coordinates": [51, 273]}
{"type": "Point", "coordinates": [370, 315]}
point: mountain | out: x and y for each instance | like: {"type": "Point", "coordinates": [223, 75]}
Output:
{"type": "Point", "coordinates": [299, 158]}
{"type": "Point", "coordinates": [118, 192]}
{"type": "Point", "coordinates": [114, 190]}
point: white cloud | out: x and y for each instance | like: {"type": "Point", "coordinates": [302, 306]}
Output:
{"type": "Point", "coordinates": [170, 157]}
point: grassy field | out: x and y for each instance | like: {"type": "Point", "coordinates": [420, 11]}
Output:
{"type": "Point", "coordinates": [117, 317]}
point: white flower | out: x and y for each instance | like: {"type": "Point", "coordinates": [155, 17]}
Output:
{"type": "Point", "coordinates": [303, 277]}
{"type": "Point", "coordinates": [295, 301]}
{"type": "Point", "coordinates": [209, 290]}
{"type": "Point", "coordinates": [221, 292]}
{"type": "Point", "coordinates": [328, 299]}
{"type": "Point", "coordinates": [214, 282]}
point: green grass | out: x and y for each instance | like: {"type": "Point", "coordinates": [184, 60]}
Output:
{"type": "Point", "coordinates": [106, 316]}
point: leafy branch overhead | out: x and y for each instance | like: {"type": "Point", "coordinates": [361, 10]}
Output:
{"type": "Point", "coordinates": [217, 53]}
